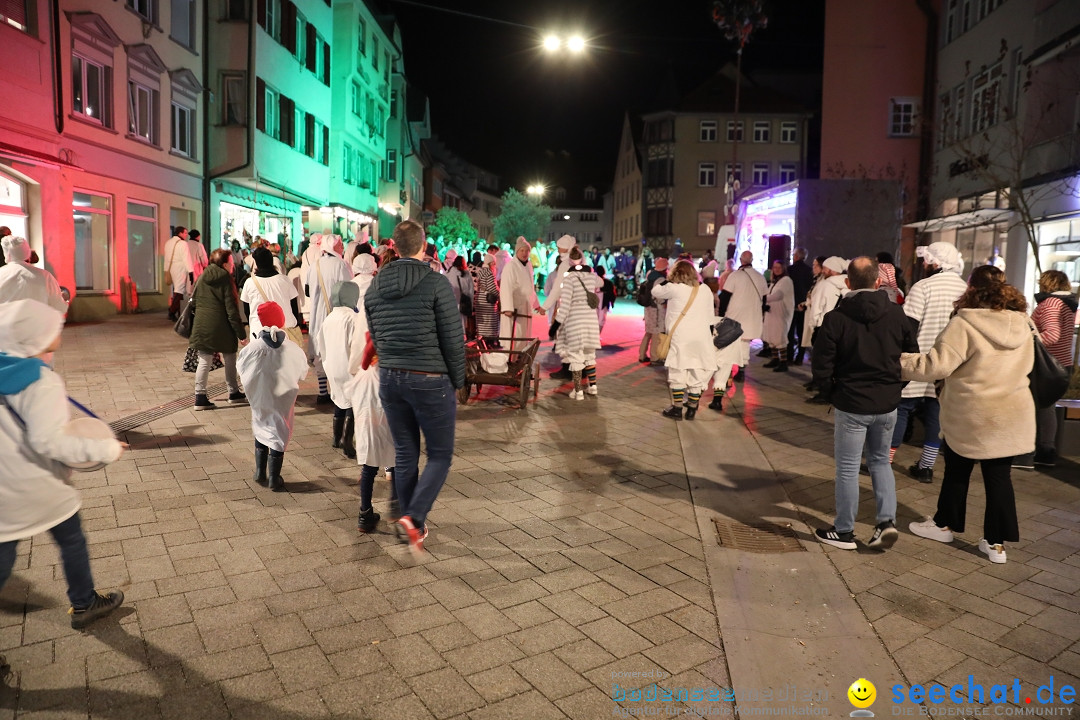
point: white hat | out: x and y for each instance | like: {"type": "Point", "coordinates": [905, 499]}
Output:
{"type": "Point", "coordinates": [566, 242]}
{"type": "Point", "coordinates": [363, 264]}
{"type": "Point", "coordinates": [27, 327]}
{"type": "Point", "coordinates": [943, 254]}
{"type": "Point", "coordinates": [16, 249]}
{"type": "Point", "coordinates": [522, 242]}
{"type": "Point", "coordinates": [837, 264]}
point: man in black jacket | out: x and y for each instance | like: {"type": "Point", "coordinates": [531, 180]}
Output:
{"type": "Point", "coordinates": [415, 326]}
{"type": "Point", "coordinates": [856, 364]}
{"type": "Point", "coordinates": [802, 277]}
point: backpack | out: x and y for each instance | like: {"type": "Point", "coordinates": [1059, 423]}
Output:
{"type": "Point", "coordinates": [643, 296]}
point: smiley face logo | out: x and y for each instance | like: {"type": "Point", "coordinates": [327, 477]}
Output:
{"type": "Point", "coordinates": [862, 694]}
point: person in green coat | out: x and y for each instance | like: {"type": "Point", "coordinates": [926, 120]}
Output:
{"type": "Point", "coordinates": [217, 327]}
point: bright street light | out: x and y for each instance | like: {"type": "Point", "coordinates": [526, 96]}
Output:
{"type": "Point", "coordinates": [576, 43]}
{"type": "Point", "coordinates": [552, 43]}
{"type": "Point", "coordinates": [535, 190]}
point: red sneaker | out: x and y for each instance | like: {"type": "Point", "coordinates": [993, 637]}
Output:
{"type": "Point", "coordinates": [416, 537]}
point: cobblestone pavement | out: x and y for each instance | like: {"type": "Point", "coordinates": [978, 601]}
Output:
{"type": "Point", "coordinates": [566, 554]}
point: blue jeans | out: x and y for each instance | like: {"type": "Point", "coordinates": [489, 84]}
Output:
{"type": "Point", "coordinates": [931, 409]}
{"type": "Point", "coordinates": [416, 403]}
{"type": "Point", "coordinates": [850, 433]}
{"type": "Point", "coordinates": [69, 536]}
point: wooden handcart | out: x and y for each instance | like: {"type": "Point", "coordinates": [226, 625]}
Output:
{"type": "Point", "coordinates": [522, 371]}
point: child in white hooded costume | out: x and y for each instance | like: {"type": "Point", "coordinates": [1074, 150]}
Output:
{"type": "Point", "coordinates": [271, 370]}
{"type": "Point", "coordinates": [35, 494]}
{"type": "Point", "coordinates": [335, 339]}
{"type": "Point", "coordinates": [326, 271]}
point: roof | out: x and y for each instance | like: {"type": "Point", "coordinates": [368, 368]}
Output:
{"type": "Point", "coordinates": [717, 95]}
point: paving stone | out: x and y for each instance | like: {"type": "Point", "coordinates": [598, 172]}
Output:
{"type": "Point", "coordinates": [923, 659]}
{"type": "Point", "coordinates": [446, 693]}
{"type": "Point", "coordinates": [545, 637]}
{"type": "Point", "coordinates": [1034, 642]}
{"type": "Point", "coordinates": [483, 655]}
{"type": "Point", "coordinates": [615, 637]}
{"type": "Point", "coordinates": [498, 683]}
{"type": "Point", "coordinates": [485, 621]}
{"type": "Point", "coordinates": [527, 706]}
{"type": "Point", "coordinates": [411, 655]}
{"type": "Point", "coordinates": [162, 612]}
{"type": "Point", "coordinates": [232, 663]}
{"type": "Point", "coordinates": [282, 633]}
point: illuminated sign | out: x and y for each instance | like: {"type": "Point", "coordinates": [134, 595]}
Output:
{"type": "Point", "coordinates": [780, 201]}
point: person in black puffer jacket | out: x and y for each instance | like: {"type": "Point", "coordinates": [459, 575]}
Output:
{"type": "Point", "coordinates": [415, 326]}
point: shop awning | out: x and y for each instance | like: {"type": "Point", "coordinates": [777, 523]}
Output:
{"type": "Point", "coordinates": [972, 218]}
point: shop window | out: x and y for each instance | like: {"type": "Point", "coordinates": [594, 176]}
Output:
{"type": "Point", "coordinates": [182, 27]}
{"type": "Point", "coordinates": [142, 245]}
{"type": "Point", "coordinates": [733, 173]}
{"type": "Point", "coordinates": [762, 131]}
{"type": "Point", "coordinates": [761, 174]}
{"type": "Point", "coordinates": [734, 131]}
{"type": "Point", "coordinates": [707, 131]}
{"type": "Point", "coordinates": [903, 114]}
{"type": "Point", "coordinates": [92, 214]}
{"type": "Point", "coordinates": [706, 222]}
{"type": "Point", "coordinates": [789, 132]}
{"type": "Point", "coordinates": [706, 175]}
{"type": "Point", "coordinates": [788, 173]}
{"type": "Point", "coordinates": [234, 99]}
{"type": "Point", "coordinates": [13, 205]}
{"type": "Point", "coordinates": [147, 9]}
{"type": "Point", "coordinates": [18, 14]}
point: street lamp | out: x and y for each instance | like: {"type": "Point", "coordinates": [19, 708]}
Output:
{"type": "Point", "coordinates": [553, 42]}
{"type": "Point", "coordinates": [537, 190]}
{"type": "Point", "coordinates": [576, 43]}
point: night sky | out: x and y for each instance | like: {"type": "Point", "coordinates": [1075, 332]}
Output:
{"type": "Point", "coordinates": [501, 102]}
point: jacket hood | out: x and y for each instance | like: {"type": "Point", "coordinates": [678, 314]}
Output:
{"type": "Point", "coordinates": [1007, 329]}
{"type": "Point", "coordinates": [400, 277]}
{"type": "Point", "coordinates": [865, 307]}
{"type": "Point", "coordinates": [215, 275]}
{"type": "Point", "coordinates": [17, 374]}
{"type": "Point", "coordinates": [1068, 298]}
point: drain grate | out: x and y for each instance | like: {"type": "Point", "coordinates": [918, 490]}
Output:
{"type": "Point", "coordinates": [761, 537]}
{"type": "Point", "coordinates": [156, 413]}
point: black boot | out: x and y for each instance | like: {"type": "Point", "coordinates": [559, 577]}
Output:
{"type": "Point", "coordinates": [368, 520]}
{"type": "Point", "coordinates": [261, 454]}
{"type": "Point", "coordinates": [339, 425]}
{"type": "Point", "coordinates": [274, 471]}
{"type": "Point", "coordinates": [717, 403]}
{"type": "Point", "coordinates": [691, 411]}
{"type": "Point", "coordinates": [799, 355]}
{"type": "Point", "coordinates": [673, 412]}
{"type": "Point", "coordinates": [348, 438]}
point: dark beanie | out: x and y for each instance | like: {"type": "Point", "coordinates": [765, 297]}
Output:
{"type": "Point", "coordinates": [264, 259]}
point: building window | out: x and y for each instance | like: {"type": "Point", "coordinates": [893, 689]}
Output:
{"type": "Point", "coordinates": [734, 131]}
{"type": "Point", "coordinates": [762, 131]}
{"type": "Point", "coordinates": [706, 174]}
{"type": "Point", "coordinates": [357, 100]}
{"type": "Point", "coordinates": [348, 171]}
{"type": "Point", "coordinates": [787, 173]}
{"type": "Point", "coordinates": [902, 116]}
{"type": "Point", "coordinates": [789, 132]}
{"type": "Point", "coordinates": [590, 193]}
{"type": "Point", "coordinates": [146, 8]}
{"type": "Point", "coordinates": [966, 15]}
{"type": "Point", "coordinates": [361, 41]}
{"type": "Point", "coordinates": [985, 98]}
{"type": "Point", "coordinates": [375, 53]}
{"type": "Point", "coordinates": [299, 130]}
{"type": "Point", "coordinates": [950, 21]}
{"type": "Point", "coordinates": [1018, 81]}
{"type": "Point", "coordinates": [17, 13]}
{"type": "Point", "coordinates": [707, 131]}
{"type": "Point", "coordinates": [658, 221]}
{"type": "Point", "coordinates": [88, 96]}
{"type": "Point", "coordinates": [235, 10]}
{"type": "Point", "coordinates": [761, 174]}
{"type": "Point", "coordinates": [234, 99]}
{"type": "Point", "coordinates": [394, 104]}
{"type": "Point", "coordinates": [959, 124]}
{"type": "Point", "coordinates": [182, 27]}
{"type": "Point", "coordinates": [142, 245]}
{"type": "Point", "coordinates": [272, 115]}
{"type": "Point", "coordinates": [733, 174]}
{"type": "Point", "coordinates": [142, 112]}
{"type": "Point", "coordinates": [391, 165]}
{"type": "Point", "coordinates": [183, 129]}
{"type": "Point", "coordinates": [706, 222]}
{"type": "Point", "coordinates": [92, 215]}
{"type": "Point", "coordinates": [560, 193]}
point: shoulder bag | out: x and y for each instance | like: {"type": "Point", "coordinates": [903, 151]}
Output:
{"type": "Point", "coordinates": [1047, 378]}
{"type": "Point", "coordinates": [187, 315]}
{"type": "Point", "coordinates": [663, 342]}
{"type": "Point", "coordinates": [590, 297]}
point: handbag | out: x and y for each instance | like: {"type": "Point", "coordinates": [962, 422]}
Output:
{"type": "Point", "coordinates": [663, 341]}
{"type": "Point", "coordinates": [726, 332]}
{"type": "Point", "coordinates": [186, 319]}
{"type": "Point", "coordinates": [191, 361]}
{"type": "Point", "coordinates": [590, 297]}
{"type": "Point", "coordinates": [1047, 378]}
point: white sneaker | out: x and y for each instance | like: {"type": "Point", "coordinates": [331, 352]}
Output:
{"type": "Point", "coordinates": [577, 394]}
{"type": "Point", "coordinates": [929, 530]}
{"type": "Point", "coordinates": [592, 390]}
{"type": "Point", "coordinates": [996, 553]}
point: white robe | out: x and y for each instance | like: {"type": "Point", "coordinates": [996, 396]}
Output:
{"type": "Point", "coordinates": [334, 270]}
{"type": "Point", "coordinates": [747, 287]}
{"type": "Point", "coordinates": [517, 293]}
{"type": "Point", "coordinates": [374, 443]}
{"type": "Point", "coordinates": [336, 339]}
{"type": "Point", "coordinates": [691, 343]}
{"type": "Point", "coordinates": [19, 281]}
{"type": "Point", "coordinates": [271, 378]}
{"type": "Point", "coordinates": [781, 302]}
{"type": "Point", "coordinates": [827, 293]}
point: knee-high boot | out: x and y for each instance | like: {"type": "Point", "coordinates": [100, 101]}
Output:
{"type": "Point", "coordinates": [261, 454]}
{"type": "Point", "coordinates": [274, 471]}
{"type": "Point", "coordinates": [348, 438]}
{"type": "Point", "coordinates": [339, 426]}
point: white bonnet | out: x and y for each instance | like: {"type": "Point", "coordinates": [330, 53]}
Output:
{"type": "Point", "coordinates": [27, 327]}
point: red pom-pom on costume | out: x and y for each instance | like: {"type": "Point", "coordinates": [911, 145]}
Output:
{"type": "Point", "coordinates": [271, 315]}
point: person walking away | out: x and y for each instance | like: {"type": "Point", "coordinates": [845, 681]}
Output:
{"type": "Point", "coordinates": [856, 362]}
{"type": "Point", "coordinates": [930, 304]}
{"type": "Point", "coordinates": [176, 269]}
{"type": "Point", "coordinates": [779, 312]}
{"type": "Point", "coordinates": [486, 301]}
{"type": "Point", "coordinates": [268, 285]}
{"type": "Point", "coordinates": [831, 286]}
{"type": "Point", "coordinates": [984, 356]}
{"type": "Point", "coordinates": [579, 328]}
{"type": "Point", "coordinates": [416, 332]}
{"type": "Point", "coordinates": [802, 278]}
{"type": "Point", "coordinates": [464, 287]}
{"type": "Point", "coordinates": [655, 310]}
{"type": "Point", "coordinates": [888, 278]}
{"type": "Point", "coordinates": [552, 290]}
{"type": "Point", "coordinates": [271, 369]}
{"type": "Point", "coordinates": [336, 341]}
{"type": "Point", "coordinates": [34, 482]}
{"type": "Point", "coordinates": [216, 327]}
{"type": "Point", "coordinates": [724, 358]}
{"type": "Point", "coordinates": [19, 280]}
{"type": "Point", "coordinates": [517, 296]}
{"type": "Point", "coordinates": [1054, 317]}
{"type": "Point", "coordinates": [691, 357]}
{"type": "Point", "coordinates": [741, 300]}
{"type": "Point", "coordinates": [607, 297]}
{"type": "Point", "coordinates": [323, 274]}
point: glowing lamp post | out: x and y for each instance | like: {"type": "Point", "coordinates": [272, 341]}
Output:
{"type": "Point", "coordinates": [552, 43]}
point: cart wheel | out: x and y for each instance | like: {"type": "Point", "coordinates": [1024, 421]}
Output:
{"type": "Point", "coordinates": [463, 395]}
{"type": "Point", "coordinates": [526, 381]}
{"type": "Point", "coordinates": [536, 381]}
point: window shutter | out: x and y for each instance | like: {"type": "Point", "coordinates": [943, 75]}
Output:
{"type": "Point", "coordinates": [326, 145]}
{"type": "Point", "coordinates": [288, 26]}
{"type": "Point", "coordinates": [326, 64]}
{"type": "Point", "coordinates": [262, 15]}
{"type": "Point", "coordinates": [288, 121]}
{"type": "Point", "coordinates": [312, 47]}
{"type": "Point", "coordinates": [260, 104]}
{"type": "Point", "coordinates": [14, 10]}
{"type": "Point", "coordinates": [309, 134]}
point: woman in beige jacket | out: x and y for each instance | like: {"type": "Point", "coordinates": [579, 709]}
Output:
{"type": "Point", "coordinates": [984, 355]}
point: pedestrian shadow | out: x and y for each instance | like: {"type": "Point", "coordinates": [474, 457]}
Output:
{"type": "Point", "coordinates": [148, 441]}
{"type": "Point", "coordinates": [181, 685]}
{"type": "Point", "coordinates": [19, 597]}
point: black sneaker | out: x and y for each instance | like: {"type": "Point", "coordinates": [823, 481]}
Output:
{"type": "Point", "coordinates": [884, 537]}
{"type": "Point", "coordinates": [100, 607]}
{"type": "Point", "coordinates": [818, 399]}
{"type": "Point", "coordinates": [368, 520]}
{"type": "Point", "coordinates": [323, 400]}
{"type": "Point", "coordinates": [923, 475]}
{"type": "Point", "coordinates": [237, 398]}
{"type": "Point", "coordinates": [203, 403]}
{"type": "Point", "coordinates": [1046, 458]}
{"type": "Point", "coordinates": [740, 376]}
{"type": "Point", "coordinates": [717, 403]}
{"type": "Point", "coordinates": [673, 412]}
{"type": "Point", "coordinates": [844, 541]}
{"type": "Point", "coordinates": [782, 367]}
